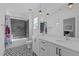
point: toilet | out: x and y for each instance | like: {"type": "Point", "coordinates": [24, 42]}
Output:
{"type": "Point", "coordinates": [29, 44]}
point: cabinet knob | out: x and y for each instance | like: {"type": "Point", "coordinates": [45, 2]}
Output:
{"type": "Point", "coordinates": [43, 42]}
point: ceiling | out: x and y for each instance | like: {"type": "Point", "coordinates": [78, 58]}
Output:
{"type": "Point", "coordinates": [23, 8]}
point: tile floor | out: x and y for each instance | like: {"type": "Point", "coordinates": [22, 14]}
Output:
{"type": "Point", "coordinates": [19, 51]}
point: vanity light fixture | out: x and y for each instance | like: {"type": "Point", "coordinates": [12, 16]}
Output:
{"type": "Point", "coordinates": [40, 11]}
{"type": "Point", "coordinates": [70, 5]}
{"type": "Point", "coordinates": [47, 14]}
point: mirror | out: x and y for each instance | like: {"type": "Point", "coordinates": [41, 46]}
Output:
{"type": "Point", "coordinates": [69, 27]}
{"type": "Point", "coordinates": [43, 27]}
{"type": "Point", "coordinates": [35, 23]}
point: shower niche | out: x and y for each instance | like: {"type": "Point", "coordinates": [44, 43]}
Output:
{"type": "Point", "coordinates": [69, 27]}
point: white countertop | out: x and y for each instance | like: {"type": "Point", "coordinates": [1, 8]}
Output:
{"type": "Point", "coordinates": [69, 44]}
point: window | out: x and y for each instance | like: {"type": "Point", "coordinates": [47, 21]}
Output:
{"type": "Point", "coordinates": [35, 23]}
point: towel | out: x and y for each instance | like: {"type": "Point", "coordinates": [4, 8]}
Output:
{"type": "Point", "coordinates": [7, 36]}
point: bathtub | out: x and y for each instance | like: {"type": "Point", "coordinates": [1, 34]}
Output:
{"type": "Point", "coordinates": [17, 42]}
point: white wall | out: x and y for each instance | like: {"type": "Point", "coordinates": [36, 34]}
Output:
{"type": "Point", "coordinates": [56, 17]}
{"type": "Point", "coordinates": [5, 9]}
{"type": "Point", "coordinates": [54, 21]}
{"type": "Point", "coordinates": [2, 17]}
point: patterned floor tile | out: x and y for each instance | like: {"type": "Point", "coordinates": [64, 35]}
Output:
{"type": "Point", "coordinates": [18, 51]}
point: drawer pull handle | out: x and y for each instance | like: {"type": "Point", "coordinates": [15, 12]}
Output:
{"type": "Point", "coordinates": [56, 50]}
{"type": "Point", "coordinates": [43, 42]}
{"type": "Point", "coordinates": [34, 40]}
{"type": "Point", "coordinates": [59, 52]}
{"type": "Point", "coordinates": [43, 49]}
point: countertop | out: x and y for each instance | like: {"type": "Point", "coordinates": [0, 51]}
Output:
{"type": "Point", "coordinates": [72, 43]}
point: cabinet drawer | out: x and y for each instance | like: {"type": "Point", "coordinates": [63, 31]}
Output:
{"type": "Point", "coordinates": [43, 51]}
{"type": "Point", "coordinates": [43, 42]}
{"type": "Point", "coordinates": [44, 48]}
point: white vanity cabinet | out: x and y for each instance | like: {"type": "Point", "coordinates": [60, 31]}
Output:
{"type": "Point", "coordinates": [57, 50]}
{"type": "Point", "coordinates": [35, 45]}
{"type": "Point", "coordinates": [67, 52]}
{"type": "Point", "coordinates": [44, 48]}
{"type": "Point", "coordinates": [51, 49]}
{"type": "Point", "coordinates": [48, 49]}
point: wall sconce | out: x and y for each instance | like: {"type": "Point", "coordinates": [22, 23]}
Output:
{"type": "Point", "coordinates": [70, 5]}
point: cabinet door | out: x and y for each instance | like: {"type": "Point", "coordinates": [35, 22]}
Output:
{"type": "Point", "coordinates": [53, 49]}
{"type": "Point", "coordinates": [35, 45]}
{"type": "Point", "coordinates": [67, 52]}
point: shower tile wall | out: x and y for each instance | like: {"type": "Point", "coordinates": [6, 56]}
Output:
{"type": "Point", "coordinates": [18, 28]}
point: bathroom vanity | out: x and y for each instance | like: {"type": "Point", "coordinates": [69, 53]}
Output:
{"type": "Point", "coordinates": [56, 47]}
{"type": "Point", "coordinates": [53, 46]}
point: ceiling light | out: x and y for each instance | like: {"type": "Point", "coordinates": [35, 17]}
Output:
{"type": "Point", "coordinates": [70, 5]}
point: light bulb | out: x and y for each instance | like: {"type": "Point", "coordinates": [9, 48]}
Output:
{"type": "Point", "coordinates": [40, 13]}
{"type": "Point", "coordinates": [70, 5]}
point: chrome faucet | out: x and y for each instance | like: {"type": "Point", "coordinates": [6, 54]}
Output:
{"type": "Point", "coordinates": [67, 37]}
